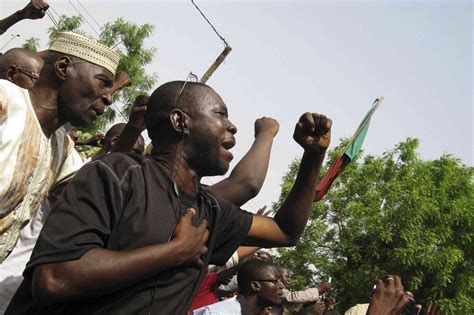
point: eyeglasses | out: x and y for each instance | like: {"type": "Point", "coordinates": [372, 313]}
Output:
{"type": "Point", "coordinates": [268, 280]}
{"type": "Point", "coordinates": [32, 75]}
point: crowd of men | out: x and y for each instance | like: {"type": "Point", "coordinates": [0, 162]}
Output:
{"type": "Point", "coordinates": [129, 233]}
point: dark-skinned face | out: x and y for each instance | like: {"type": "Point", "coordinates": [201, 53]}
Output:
{"type": "Point", "coordinates": [84, 93]}
{"type": "Point", "coordinates": [211, 135]}
{"type": "Point", "coordinates": [285, 277]}
{"type": "Point", "coordinates": [271, 292]}
{"type": "Point", "coordinates": [139, 146]}
{"type": "Point", "coordinates": [26, 73]}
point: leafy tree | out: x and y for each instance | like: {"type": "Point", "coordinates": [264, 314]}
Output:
{"type": "Point", "coordinates": [65, 24]}
{"type": "Point", "coordinates": [393, 214]}
{"type": "Point", "coordinates": [135, 57]}
{"type": "Point", "coordinates": [31, 44]}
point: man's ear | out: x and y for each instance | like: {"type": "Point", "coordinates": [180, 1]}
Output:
{"type": "Point", "coordinates": [114, 140]}
{"type": "Point", "coordinates": [10, 73]}
{"type": "Point", "coordinates": [61, 65]}
{"type": "Point", "coordinates": [255, 286]}
{"type": "Point", "coordinates": [178, 120]}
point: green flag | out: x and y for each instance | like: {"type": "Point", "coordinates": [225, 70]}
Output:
{"type": "Point", "coordinates": [351, 150]}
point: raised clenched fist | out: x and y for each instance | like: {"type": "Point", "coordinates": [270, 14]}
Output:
{"type": "Point", "coordinates": [313, 132]}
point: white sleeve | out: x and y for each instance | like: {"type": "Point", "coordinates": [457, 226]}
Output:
{"type": "Point", "coordinates": [70, 166]}
{"type": "Point", "coordinates": [233, 261]}
{"type": "Point", "coordinates": [202, 311]}
{"type": "Point", "coordinates": [231, 286]}
{"type": "Point", "coordinates": [304, 296]}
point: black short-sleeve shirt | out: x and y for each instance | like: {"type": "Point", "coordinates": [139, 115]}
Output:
{"type": "Point", "coordinates": [123, 202]}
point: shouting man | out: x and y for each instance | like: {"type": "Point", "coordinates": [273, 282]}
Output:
{"type": "Point", "coordinates": [134, 234]}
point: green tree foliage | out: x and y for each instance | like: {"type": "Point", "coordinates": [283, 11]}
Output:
{"type": "Point", "coordinates": [87, 150]}
{"type": "Point", "coordinates": [65, 24]}
{"type": "Point", "coordinates": [31, 44]}
{"type": "Point", "coordinates": [129, 38]}
{"type": "Point", "coordinates": [393, 214]}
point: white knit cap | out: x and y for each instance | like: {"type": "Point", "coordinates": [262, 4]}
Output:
{"type": "Point", "coordinates": [87, 49]}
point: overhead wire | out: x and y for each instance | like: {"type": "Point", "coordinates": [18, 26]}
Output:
{"type": "Point", "coordinates": [88, 13]}
{"type": "Point", "coordinates": [86, 20]}
{"type": "Point", "coordinates": [51, 17]}
{"type": "Point", "coordinates": [54, 11]}
{"type": "Point", "coordinates": [8, 42]}
{"type": "Point", "coordinates": [227, 49]}
{"type": "Point", "coordinates": [208, 22]}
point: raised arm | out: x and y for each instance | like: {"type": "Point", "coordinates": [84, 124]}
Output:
{"type": "Point", "coordinates": [247, 177]}
{"type": "Point", "coordinates": [134, 127]}
{"type": "Point", "coordinates": [313, 133]}
{"type": "Point", "coordinates": [34, 10]}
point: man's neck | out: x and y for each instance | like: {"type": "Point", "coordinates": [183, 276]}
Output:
{"type": "Point", "coordinates": [178, 169]}
{"type": "Point", "coordinates": [249, 305]}
{"type": "Point", "coordinates": [44, 101]}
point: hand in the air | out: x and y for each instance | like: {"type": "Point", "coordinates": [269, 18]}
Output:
{"type": "Point", "coordinates": [36, 9]}
{"type": "Point", "coordinates": [313, 132]}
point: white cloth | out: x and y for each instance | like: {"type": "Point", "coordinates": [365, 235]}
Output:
{"type": "Point", "coordinates": [228, 307]}
{"type": "Point", "coordinates": [359, 309]}
{"type": "Point", "coordinates": [30, 163]}
{"type": "Point", "coordinates": [12, 267]}
{"type": "Point", "coordinates": [232, 286]}
{"type": "Point", "coordinates": [303, 296]}
{"type": "Point", "coordinates": [233, 261]}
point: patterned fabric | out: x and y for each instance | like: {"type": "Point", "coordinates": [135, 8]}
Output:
{"type": "Point", "coordinates": [30, 163]}
{"type": "Point", "coordinates": [87, 49]}
{"type": "Point", "coordinates": [12, 267]}
{"type": "Point", "coordinates": [359, 309]}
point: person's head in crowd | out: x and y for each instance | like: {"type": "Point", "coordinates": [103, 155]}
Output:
{"type": "Point", "coordinates": [113, 134]}
{"type": "Point", "coordinates": [192, 117]}
{"type": "Point", "coordinates": [285, 276]}
{"type": "Point", "coordinates": [259, 282]}
{"type": "Point", "coordinates": [263, 255]}
{"type": "Point", "coordinates": [317, 308]}
{"type": "Point", "coordinates": [21, 67]}
{"type": "Point", "coordinates": [274, 310]}
{"type": "Point", "coordinates": [76, 80]}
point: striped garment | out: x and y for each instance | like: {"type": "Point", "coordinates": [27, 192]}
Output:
{"type": "Point", "coordinates": [30, 163]}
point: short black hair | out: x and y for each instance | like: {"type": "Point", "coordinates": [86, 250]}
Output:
{"type": "Point", "coordinates": [251, 270]}
{"type": "Point", "coordinates": [113, 131]}
{"type": "Point", "coordinates": [167, 97]}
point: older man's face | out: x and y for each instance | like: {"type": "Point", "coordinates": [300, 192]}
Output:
{"type": "Point", "coordinates": [84, 94]}
{"type": "Point", "coordinates": [25, 73]}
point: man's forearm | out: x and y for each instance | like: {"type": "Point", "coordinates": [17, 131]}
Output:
{"type": "Point", "coordinates": [254, 165]}
{"type": "Point", "coordinates": [294, 212]}
{"type": "Point", "coordinates": [9, 21]}
{"type": "Point", "coordinates": [101, 271]}
{"type": "Point", "coordinates": [303, 296]}
{"type": "Point", "coordinates": [247, 177]}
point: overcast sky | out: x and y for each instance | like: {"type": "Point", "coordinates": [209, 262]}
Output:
{"type": "Point", "coordinates": [331, 57]}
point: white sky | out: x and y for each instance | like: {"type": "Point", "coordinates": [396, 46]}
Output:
{"type": "Point", "coordinates": [331, 57]}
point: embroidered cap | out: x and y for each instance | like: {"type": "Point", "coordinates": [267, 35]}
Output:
{"type": "Point", "coordinates": [87, 49]}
